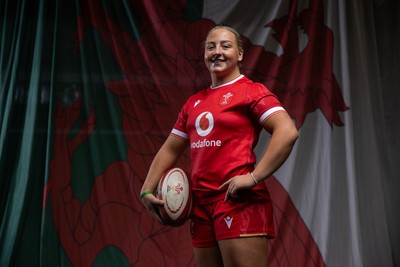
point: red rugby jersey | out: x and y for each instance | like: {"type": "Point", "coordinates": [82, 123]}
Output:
{"type": "Point", "coordinates": [223, 125]}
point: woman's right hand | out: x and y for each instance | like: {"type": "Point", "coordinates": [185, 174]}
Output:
{"type": "Point", "coordinates": [153, 204]}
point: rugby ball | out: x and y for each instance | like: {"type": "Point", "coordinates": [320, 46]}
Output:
{"type": "Point", "coordinates": [175, 188]}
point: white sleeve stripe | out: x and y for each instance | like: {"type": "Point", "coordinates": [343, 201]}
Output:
{"type": "Point", "coordinates": [269, 113]}
{"type": "Point", "coordinates": [180, 133]}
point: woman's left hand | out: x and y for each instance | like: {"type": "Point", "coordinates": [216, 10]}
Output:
{"type": "Point", "coordinates": [237, 183]}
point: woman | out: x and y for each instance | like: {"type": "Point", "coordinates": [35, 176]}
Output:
{"type": "Point", "coordinates": [232, 215]}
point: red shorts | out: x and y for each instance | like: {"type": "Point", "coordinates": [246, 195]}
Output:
{"type": "Point", "coordinates": [249, 215]}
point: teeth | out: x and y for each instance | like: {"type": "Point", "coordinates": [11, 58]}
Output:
{"type": "Point", "coordinates": [215, 59]}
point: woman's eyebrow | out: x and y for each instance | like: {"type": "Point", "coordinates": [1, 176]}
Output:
{"type": "Point", "coordinates": [222, 41]}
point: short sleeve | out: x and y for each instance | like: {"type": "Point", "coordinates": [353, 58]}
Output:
{"type": "Point", "coordinates": [179, 128]}
{"type": "Point", "coordinates": [263, 102]}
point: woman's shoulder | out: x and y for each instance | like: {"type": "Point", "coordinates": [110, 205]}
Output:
{"type": "Point", "coordinates": [192, 99]}
{"type": "Point", "coordinates": [199, 93]}
{"type": "Point", "coordinates": [254, 87]}
{"type": "Point", "coordinates": [254, 84]}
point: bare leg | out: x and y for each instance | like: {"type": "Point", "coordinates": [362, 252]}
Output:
{"type": "Point", "coordinates": [244, 252]}
{"type": "Point", "coordinates": [208, 257]}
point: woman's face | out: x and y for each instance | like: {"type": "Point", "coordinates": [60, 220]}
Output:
{"type": "Point", "coordinates": [221, 53]}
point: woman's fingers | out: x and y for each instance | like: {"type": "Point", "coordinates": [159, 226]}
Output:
{"type": "Point", "coordinates": [232, 189]}
{"type": "Point", "coordinates": [236, 184]}
{"type": "Point", "coordinates": [152, 203]}
{"type": "Point", "coordinates": [149, 201]}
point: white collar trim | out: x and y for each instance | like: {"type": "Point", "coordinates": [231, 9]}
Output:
{"type": "Point", "coordinates": [228, 83]}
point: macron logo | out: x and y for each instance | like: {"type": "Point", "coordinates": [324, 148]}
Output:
{"type": "Point", "coordinates": [196, 103]}
{"type": "Point", "coordinates": [228, 220]}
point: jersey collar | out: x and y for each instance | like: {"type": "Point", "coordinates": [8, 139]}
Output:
{"type": "Point", "coordinates": [228, 83]}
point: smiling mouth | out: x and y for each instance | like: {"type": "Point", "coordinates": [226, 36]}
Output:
{"type": "Point", "coordinates": [216, 59]}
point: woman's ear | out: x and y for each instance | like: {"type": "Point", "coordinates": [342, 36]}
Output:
{"type": "Point", "coordinates": [240, 58]}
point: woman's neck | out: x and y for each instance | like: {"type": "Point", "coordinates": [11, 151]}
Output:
{"type": "Point", "coordinates": [228, 82]}
{"type": "Point", "coordinates": [217, 81]}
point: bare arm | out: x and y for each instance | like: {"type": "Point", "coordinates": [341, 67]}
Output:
{"type": "Point", "coordinates": [283, 137]}
{"type": "Point", "coordinates": [165, 159]}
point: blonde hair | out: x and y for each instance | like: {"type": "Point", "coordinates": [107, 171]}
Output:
{"type": "Point", "coordinates": [232, 30]}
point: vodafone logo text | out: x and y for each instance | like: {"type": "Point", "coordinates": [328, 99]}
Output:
{"type": "Point", "coordinates": [204, 126]}
{"type": "Point", "coordinates": [205, 143]}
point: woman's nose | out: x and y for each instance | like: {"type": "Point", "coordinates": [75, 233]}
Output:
{"type": "Point", "coordinates": [217, 50]}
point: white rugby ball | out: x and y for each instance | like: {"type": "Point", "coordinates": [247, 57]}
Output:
{"type": "Point", "coordinates": [175, 188]}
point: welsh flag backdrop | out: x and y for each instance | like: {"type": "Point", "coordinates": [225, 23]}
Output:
{"type": "Point", "coordinates": [89, 91]}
